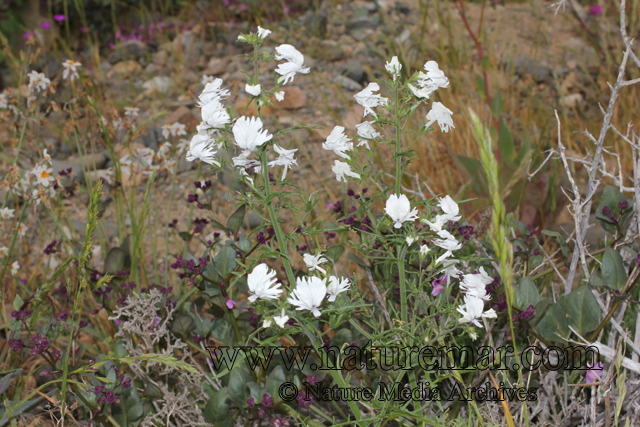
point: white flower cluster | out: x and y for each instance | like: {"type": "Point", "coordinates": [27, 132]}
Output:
{"type": "Point", "coordinates": [70, 69]}
{"type": "Point", "coordinates": [474, 286]}
{"type": "Point", "coordinates": [308, 295]}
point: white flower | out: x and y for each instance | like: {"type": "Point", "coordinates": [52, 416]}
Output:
{"type": "Point", "coordinates": [475, 284]}
{"type": "Point", "coordinates": [174, 129]}
{"type": "Point", "coordinates": [423, 250]}
{"type": "Point", "coordinates": [4, 100]}
{"type": "Point", "coordinates": [393, 67]}
{"type": "Point", "coordinates": [399, 209]}
{"type": "Point", "coordinates": [260, 281]}
{"type": "Point", "coordinates": [448, 243]}
{"type": "Point", "coordinates": [368, 100]}
{"type": "Point", "coordinates": [214, 115]}
{"type": "Point", "coordinates": [248, 133]}
{"type": "Point", "coordinates": [37, 81]}
{"type": "Point", "coordinates": [410, 240]}
{"type": "Point", "coordinates": [201, 147]}
{"type": "Point", "coordinates": [22, 229]}
{"type": "Point", "coordinates": [337, 286]}
{"type": "Point", "coordinates": [435, 75]}
{"type": "Point", "coordinates": [7, 213]}
{"type": "Point", "coordinates": [450, 208]}
{"type": "Point", "coordinates": [15, 267]}
{"type": "Point", "coordinates": [45, 156]}
{"type": "Point", "coordinates": [472, 310]}
{"type": "Point", "coordinates": [43, 175]}
{"type": "Point", "coordinates": [295, 65]}
{"type": "Point", "coordinates": [308, 294]}
{"type": "Point", "coordinates": [131, 111]}
{"type": "Point", "coordinates": [341, 169]}
{"type": "Point", "coordinates": [207, 79]}
{"type": "Point", "coordinates": [70, 69]}
{"type": "Point", "coordinates": [280, 96]}
{"type": "Point", "coordinates": [263, 33]}
{"type": "Point", "coordinates": [338, 142]}
{"type": "Point", "coordinates": [313, 262]}
{"type": "Point", "coordinates": [213, 92]}
{"type": "Point", "coordinates": [254, 90]}
{"type": "Point", "coordinates": [436, 225]}
{"type": "Point", "coordinates": [450, 269]}
{"type": "Point", "coordinates": [4, 251]}
{"type": "Point", "coordinates": [429, 82]}
{"type": "Point", "coordinates": [366, 130]}
{"type": "Point", "coordinates": [281, 320]}
{"type": "Point", "coordinates": [286, 159]}
{"type": "Point", "coordinates": [266, 323]}
{"type": "Point", "coordinates": [243, 161]}
{"type": "Point", "coordinates": [442, 115]}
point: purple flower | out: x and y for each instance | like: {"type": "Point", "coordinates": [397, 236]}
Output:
{"type": "Point", "coordinates": [311, 379]}
{"type": "Point", "coordinates": [28, 34]}
{"type": "Point", "coordinates": [437, 288]}
{"type": "Point", "coordinates": [250, 402]}
{"type": "Point", "coordinates": [156, 322]}
{"type": "Point", "coordinates": [595, 10]}
{"type": "Point", "coordinates": [622, 204]}
{"type": "Point", "coordinates": [229, 303]}
{"type": "Point", "coordinates": [594, 372]}
{"type": "Point", "coordinates": [45, 25]}
{"type": "Point", "coordinates": [58, 18]}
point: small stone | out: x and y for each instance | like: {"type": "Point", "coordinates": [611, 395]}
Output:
{"type": "Point", "coordinates": [331, 50]}
{"type": "Point", "coordinates": [353, 117]}
{"type": "Point", "coordinates": [185, 42]}
{"type": "Point", "coordinates": [89, 161]}
{"type": "Point", "coordinates": [294, 98]}
{"type": "Point", "coordinates": [182, 115]}
{"type": "Point", "coordinates": [355, 72]}
{"type": "Point", "coordinates": [253, 220]}
{"type": "Point", "coordinates": [250, 110]}
{"type": "Point", "coordinates": [150, 139]}
{"type": "Point", "coordinates": [160, 58]}
{"type": "Point", "coordinates": [572, 100]}
{"type": "Point", "coordinates": [124, 68]}
{"type": "Point", "coordinates": [347, 83]}
{"type": "Point", "coordinates": [131, 49]}
{"type": "Point", "coordinates": [364, 22]}
{"type": "Point", "coordinates": [161, 84]}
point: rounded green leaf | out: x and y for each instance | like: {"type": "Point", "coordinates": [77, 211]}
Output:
{"type": "Point", "coordinates": [583, 309]}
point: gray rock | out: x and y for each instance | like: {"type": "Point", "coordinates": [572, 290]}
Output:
{"type": "Point", "coordinates": [364, 22]}
{"type": "Point", "coordinates": [150, 139]}
{"type": "Point", "coordinates": [347, 83]}
{"type": "Point", "coordinates": [316, 22]}
{"type": "Point", "coordinates": [355, 72]}
{"type": "Point", "coordinates": [253, 220]}
{"type": "Point", "coordinates": [89, 161]}
{"type": "Point", "coordinates": [540, 73]}
{"type": "Point", "coordinates": [59, 165]}
{"type": "Point", "coordinates": [52, 68]}
{"type": "Point", "coordinates": [162, 84]}
{"type": "Point", "coordinates": [131, 49]}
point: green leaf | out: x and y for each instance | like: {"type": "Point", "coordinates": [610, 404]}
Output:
{"type": "Point", "coordinates": [217, 225]}
{"type": "Point", "coordinates": [181, 325]}
{"type": "Point", "coordinates": [526, 294]}
{"type": "Point", "coordinates": [583, 309]}
{"type": "Point", "coordinates": [17, 302]}
{"type": "Point", "coordinates": [225, 261]}
{"type": "Point", "coordinates": [553, 320]}
{"type": "Point", "coordinates": [211, 273]}
{"type": "Point", "coordinates": [274, 380]}
{"type": "Point", "coordinates": [237, 388]}
{"type": "Point", "coordinates": [472, 168]}
{"type": "Point", "coordinates": [524, 149]}
{"type": "Point", "coordinates": [152, 391]}
{"type": "Point", "coordinates": [497, 105]}
{"type": "Point", "coordinates": [611, 196]}
{"type": "Point", "coordinates": [341, 337]}
{"type": "Point", "coordinates": [357, 260]}
{"type": "Point", "coordinates": [130, 408]}
{"type": "Point", "coordinates": [216, 411]}
{"type": "Point", "coordinates": [613, 272]}
{"type": "Point", "coordinates": [480, 85]}
{"type": "Point", "coordinates": [244, 244]}
{"type": "Point", "coordinates": [185, 236]}
{"type": "Point", "coordinates": [115, 261]}
{"type": "Point", "coordinates": [236, 219]}
{"type": "Point", "coordinates": [596, 281]}
{"type": "Point", "coordinates": [507, 147]}
{"type": "Point", "coordinates": [334, 252]}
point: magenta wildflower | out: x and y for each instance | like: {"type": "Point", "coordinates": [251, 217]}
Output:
{"type": "Point", "coordinates": [594, 372]}
{"type": "Point", "coordinates": [28, 34]}
{"type": "Point", "coordinates": [229, 303]}
{"type": "Point", "coordinates": [45, 25]}
{"type": "Point", "coordinates": [58, 18]}
{"type": "Point", "coordinates": [595, 10]}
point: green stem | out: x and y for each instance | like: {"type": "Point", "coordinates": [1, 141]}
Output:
{"type": "Point", "coordinates": [403, 289]}
{"type": "Point", "coordinates": [398, 149]}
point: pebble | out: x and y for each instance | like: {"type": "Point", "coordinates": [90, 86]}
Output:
{"type": "Point", "coordinates": [347, 83]}
{"type": "Point", "coordinates": [162, 84]}
{"type": "Point", "coordinates": [131, 49]}
{"type": "Point", "coordinates": [217, 66]}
